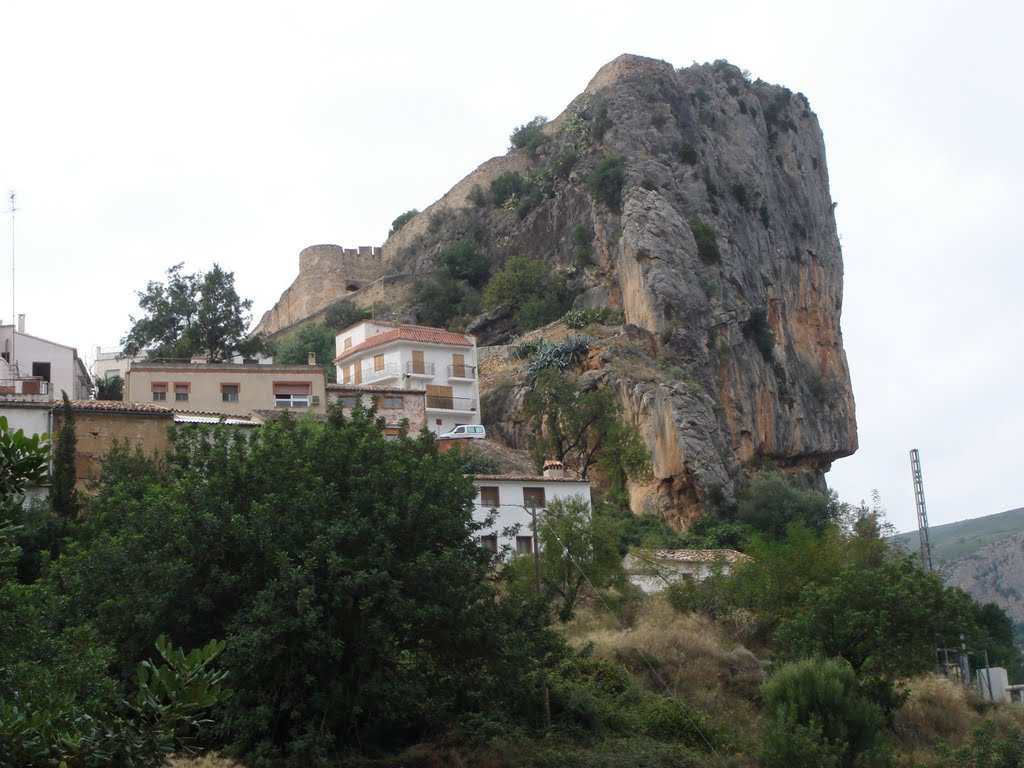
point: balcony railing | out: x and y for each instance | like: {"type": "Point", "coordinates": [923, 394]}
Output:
{"type": "Point", "coordinates": [25, 387]}
{"type": "Point", "coordinates": [461, 371]}
{"type": "Point", "coordinates": [419, 368]}
{"type": "Point", "coordinates": [443, 403]}
{"type": "Point", "coordinates": [389, 371]}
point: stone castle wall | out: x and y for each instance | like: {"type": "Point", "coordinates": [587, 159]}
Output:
{"type": "Point", "coordinates": [326, 273]}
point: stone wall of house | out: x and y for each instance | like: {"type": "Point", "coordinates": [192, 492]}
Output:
{"type": "Point", "coordinates": [96, 432]}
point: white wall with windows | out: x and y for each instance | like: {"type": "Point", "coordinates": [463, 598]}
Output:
{"type": "Point", "coordinates": [509, 500]}
{"type": "Point", "coordinates": [446, 371]}
{"type": "Point", "coordinates": [50, 361]}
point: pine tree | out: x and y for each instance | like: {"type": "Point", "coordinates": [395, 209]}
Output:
{"type": "Point", "coordinates": [63, 495]}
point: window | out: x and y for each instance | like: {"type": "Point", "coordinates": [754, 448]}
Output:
{"type": "Point", "coordinates": [346, 374]}
{"type": "Point", "coordinates": [291, 395]}
{"type": "Point", "coordinates": [348, 401]}
{"type": "Point", "coordinates": [417, 362]}
{"type": "Point", "coordinates": [459, 366]}
{"type": "Point", "coordinates": [348, 343]}
{"type": "Point", "coordinates": [524, 545]}
{"type": "Point", "coordinates": [159, 391]}
{"type": "Point", "coordinates": [41, 371]}
{"type": "Point", "coordinates": [489, 496]}
{"type": "Point", "coordinates": [378, 362]}
{"type": "Point", "coordinates": [489, 542]}
{"type": "Point", "coordinates": [180, 392]}
{"type": "Point", "coordinates": [229, 393]}
{"type": "Point", "coordinates": [534, 497]}
{"type": "Point", "coordinates": [390, 435]}
{"type": "Point", "coordinates": [391, 401]}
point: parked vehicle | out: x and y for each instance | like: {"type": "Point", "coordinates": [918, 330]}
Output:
{"type": "Point", "coordinates": [465, 430]}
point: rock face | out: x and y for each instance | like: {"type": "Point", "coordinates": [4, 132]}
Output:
{"type": "Point", "coordinates": [717, 242]}
{"type": "Point", "coordinates": [993, 574]}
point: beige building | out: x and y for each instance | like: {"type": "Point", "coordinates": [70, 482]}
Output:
{"type": "Point", "coordinates": [442, 364]}
{"type": "Point", "coordinates": [228, 388]}
{"type": "Point", "coordinates": [393, 404]}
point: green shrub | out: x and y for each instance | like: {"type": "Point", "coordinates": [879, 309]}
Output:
{"type": "Point", "coordinates": [465, 261]}
{"type": "Point", "coordinates": [342, 314]}
{"type": "Point", "coordinates": [607, 180]}
{"type": "Point", "coordinates": [440, 299]}
{"type": "Point", "coordinates": [819, 701]}
{"type": "Point", "coordinates": [402, 220]}
{"type": "Point", "coordinates": [583, 239]}
{"type": "Point", "coordinates": [529, 136]}
{"type": "Point", "coordinates": [581, 318]}
{"type": "Point", "coordinates": [688, 154]}
{"type": "Point", "coordinates": [707, 244]}
{"type": "Point", "coordinates": [739, 191]}
{"type": "Point", "coordinates": [478, 197]}
{"type": "Point", "coordinates": [535, 293]}
{"type": "Point", "coordinates": [507, 185]}
{"type": "Point", "coordinates": [757, 329]}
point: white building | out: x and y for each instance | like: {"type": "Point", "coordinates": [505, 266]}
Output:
{"type": "Point", "coordinates": [442, 363]}
{"type": "Point", "coordinates": [109, 362]}
{"type": "Point", "coordinates": [56, 364]}
{"type": "Point", "coordinates": [654, 570]}
{"type": "Point", "coordinates": [511, 499]}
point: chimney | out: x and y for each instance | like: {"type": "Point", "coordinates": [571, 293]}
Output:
{"type": "Point", "coordinates": [311, 358]}
{"type": "Point", "coordinates": [553, 470]}
{"type": "Point", "coordinates": [21, 323]}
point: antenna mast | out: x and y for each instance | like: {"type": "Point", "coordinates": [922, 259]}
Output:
{"type": "Point", "coordinates": [14, 318]}
{"type": "Point", "coordinates": [922, 511]}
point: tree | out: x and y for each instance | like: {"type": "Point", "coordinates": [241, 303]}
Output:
{"type": "Point", "coordinates": [110, 388]}
{"type": "Point", "coordinates": [578, 548]}
{"type": "Point", "coordinates": [63, 496]}
{"type": "Point", "coordinates": [401, 220]}
{"type": "Point", "coordinates": [465, 261]}
{"type": "Point", "coordinates": [581, 429]}
{"type": "Point", "coordinates": [198, 314]}
{"type": "Point", "coordinates": [342, 314]}
{"type": "Point", "coordinates": [534, 292]}
{"type": "Point", "coordinates": [771, 502]}
{"type": "Point", "coordinates": [357, 606]}
{"type": "Point", "coordinates": [312, 337]}
{"type": "Point", "coordinates": [529, 135]}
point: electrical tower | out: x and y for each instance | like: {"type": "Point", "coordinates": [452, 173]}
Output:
{"type": "Point", "coordinates": [922, 511]}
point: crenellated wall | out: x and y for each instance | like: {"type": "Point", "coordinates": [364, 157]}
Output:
{"type": "Point", "coordinates": [326, 274]}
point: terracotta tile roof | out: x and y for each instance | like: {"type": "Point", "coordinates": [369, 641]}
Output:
{"type": "Point", "coordinates": [116, 406]}
{"type": "Point", "coordinates": [529, 479]}
{"type": "Point", "coordinates": [420, 333]}
{"type": "Point", "coordinates": [699, 555]}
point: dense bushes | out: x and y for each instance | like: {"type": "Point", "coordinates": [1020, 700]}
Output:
{"type": "Point", "coordinates": [401, 220]}
{"type": "Point", "coordinates": [607, 180]}
{"type": "Point", "coordinates": [707, 244]}
{"type": "Point", "coordinates": [535, 294]}
{"type": "Point", "coordinates": [529, 136]}
{"type": "Point", "coordinates": [581, 318]}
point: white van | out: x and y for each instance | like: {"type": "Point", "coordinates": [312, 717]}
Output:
{"type": "Point", "coordinates": [465, 430]}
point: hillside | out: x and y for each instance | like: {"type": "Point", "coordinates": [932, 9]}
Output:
{"type": "Point", "coordinates": [954, 541]}
{"type": "Point", "coordinates": [693, 205]}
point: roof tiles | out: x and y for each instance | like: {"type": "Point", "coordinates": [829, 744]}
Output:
{"type": "Point", "coordinates": [420, 333]}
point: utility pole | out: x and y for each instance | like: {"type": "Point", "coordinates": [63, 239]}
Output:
{"type": "Point", "coordinates": [536, 580]}
{"type": "Point", "coordinates": [922, 511]}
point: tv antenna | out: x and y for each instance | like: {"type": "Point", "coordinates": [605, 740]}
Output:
{"type": "Point", "coordinates": [922, 511]}
{"type": "Point", "coordinates": [12, 360]}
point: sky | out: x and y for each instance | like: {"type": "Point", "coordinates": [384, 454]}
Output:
{"type": "Point", "coordinates": [139, 135]}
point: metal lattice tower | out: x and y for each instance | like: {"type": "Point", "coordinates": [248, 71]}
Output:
{"type": "Point", "coordinates": [922, 511]}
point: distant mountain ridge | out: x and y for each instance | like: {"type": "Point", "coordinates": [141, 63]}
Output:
{"type": "Point", "coordinates": [953, 541]}
{"type": "Point", "coordinates": [983, 556]}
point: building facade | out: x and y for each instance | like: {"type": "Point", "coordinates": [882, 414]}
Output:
{"type": "Point", "coordinates": [509, 500]}
{"type": "Point", "coordinates": [30, 357]}
{"type": "Point", "coordinates": [228, 388]}
{"type": "Point", "coordinates": [393, 404]}
{"type": "Point", "coordinates": [443, 364]}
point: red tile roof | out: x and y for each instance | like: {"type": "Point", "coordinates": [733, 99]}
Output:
{"type": "Point", "coordinates": [420, 333]}
{"type": "Point", "coordinates": [529, 479]}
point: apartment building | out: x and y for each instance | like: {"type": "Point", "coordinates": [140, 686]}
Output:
{"type": "Point", "coordinates": [443, 364]}
{"type": "Point", "coordinates": [30, 357]}
{"type": "Point", "coordinates": [228, 388]}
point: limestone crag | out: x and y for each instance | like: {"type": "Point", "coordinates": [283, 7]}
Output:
{"type": "Point", "coordinates": [718, 244]}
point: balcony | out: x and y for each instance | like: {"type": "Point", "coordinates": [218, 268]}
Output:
{"type": "Point", "coordinates": [444, 403]}
{"type": "Point", "coordinates": [389, 371]}
{"type": "Point", "coordinates": [420, 368]}
{"type": "Point", "coordinates": [22, 388]}
{"type": "Point", "coordinates": [462, 372]}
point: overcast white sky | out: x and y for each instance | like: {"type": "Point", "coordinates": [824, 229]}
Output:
{"type": "Point", "coordinates": [137, 135]}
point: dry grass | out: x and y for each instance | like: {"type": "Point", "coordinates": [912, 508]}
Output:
{"type": "Point", "coordinates": [211, 760]}
{"type": "Point", "coordinates": [938, 709]}
{"type": "Point", "coordinates": [688, 655]}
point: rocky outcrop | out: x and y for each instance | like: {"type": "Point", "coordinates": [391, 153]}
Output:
{"type": "Point", "coordinates": [993, 574]}
{"type": "Point", "coordinates": [716, 239]}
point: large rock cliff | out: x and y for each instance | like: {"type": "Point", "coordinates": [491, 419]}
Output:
{"type": "Point", "coordinates": [721, 252]}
